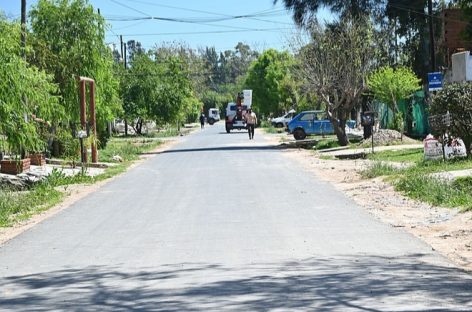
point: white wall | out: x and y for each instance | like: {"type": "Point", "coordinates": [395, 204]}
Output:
{"type": "Point", "coordinates": [462, 67]}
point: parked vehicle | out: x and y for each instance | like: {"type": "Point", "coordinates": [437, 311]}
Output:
{"type": "Point", "coordinates": [312, 122]}
{"type": "Point", "coordinates": [281, 122]}
{"type": "Point", "coordinates": [235, 111]}
{"type": "Point", "coordinates": [213, 115]}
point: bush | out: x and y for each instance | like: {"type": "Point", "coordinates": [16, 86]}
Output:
{"type": "Point", "coordinates": [456, 99]}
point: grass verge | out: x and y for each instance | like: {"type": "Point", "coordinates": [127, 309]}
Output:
{"type": "Point", "coordinates": [406, 155]}
{"type": "Point", "coordinates": [20, 205]}
{"type": "Point", "coordinates": [417, 182]}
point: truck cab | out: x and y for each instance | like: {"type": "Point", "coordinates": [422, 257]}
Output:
{"type": "Point", "coordinates": [213, 115]}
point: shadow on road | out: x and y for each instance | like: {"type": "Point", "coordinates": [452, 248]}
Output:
{"type": "Point", "coordinates": [218, 149]}
{"type": "Point", "coordinates": [322, 284]}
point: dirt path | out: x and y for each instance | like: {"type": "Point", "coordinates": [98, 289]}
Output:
{"type": "Point", "coordinates": [447, 230]}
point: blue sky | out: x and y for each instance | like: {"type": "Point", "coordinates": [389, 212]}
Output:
{"type": "Point", "coordinates": [201, 23]}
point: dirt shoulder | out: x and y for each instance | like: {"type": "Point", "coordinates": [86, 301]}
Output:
{"type": "Point", "coordinates": [446, 230]}
{"type": "Point", "coordinates": [74, 193]}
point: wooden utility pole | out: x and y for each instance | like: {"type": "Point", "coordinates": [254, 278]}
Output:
{"type": "Point", "coordinates": [23, 28]}
{"type": "Point", "coordinates": [431, 35]}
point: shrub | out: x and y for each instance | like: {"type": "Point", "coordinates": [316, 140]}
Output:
{"type": "Point", "coordinates": [456, 99]}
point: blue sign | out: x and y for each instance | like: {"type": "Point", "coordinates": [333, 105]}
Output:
{"type": "Point", "coordinates": [435, 81]}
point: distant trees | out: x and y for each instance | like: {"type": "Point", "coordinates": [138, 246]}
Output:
{"type": "Point", "coordinates": [270, 79]}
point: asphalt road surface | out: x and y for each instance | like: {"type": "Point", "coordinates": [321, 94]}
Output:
{"type": "Point", "coordinates": [223, 223]}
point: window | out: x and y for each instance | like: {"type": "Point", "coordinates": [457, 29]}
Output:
{"type": "Point", "coordinates": [307, 117]}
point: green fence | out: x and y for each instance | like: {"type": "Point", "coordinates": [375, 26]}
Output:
{"type": "Point", "coordinates": [414, 112]}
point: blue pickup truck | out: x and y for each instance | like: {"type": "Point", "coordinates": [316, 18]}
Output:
{"type": "Point", "coordinates": [312, 122]}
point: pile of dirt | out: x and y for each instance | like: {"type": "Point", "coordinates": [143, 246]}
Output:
{"type": "Point", "coordinates": [384, 137]}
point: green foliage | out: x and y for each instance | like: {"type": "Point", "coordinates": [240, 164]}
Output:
{"type": "Point", "coordinates": [326, 144]}
{"type": "Point", "coordinates": [158, 90]}
{"type": "Point", "coordinates": [404, 155]}
{"type": "Point", "coordinates": [16, 206]}
{"type": "Point", "coordinates": [270, 79]}
{"type": "Point", "coordinates": [68, 41]}
{"type": "Point", "coordinates": [456, 99]}
{"type": "Point", "coordinates": [128, 149]}
{"type": "Point", "coordinates": [378, 169]}
{"type": "Point", "coordinates": [436, 191]}
{"type": "Point", "coordinates": [24, 91]}
{"type": "Point", "coordinates": [389, 85]}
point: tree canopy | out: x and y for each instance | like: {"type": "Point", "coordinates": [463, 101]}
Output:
{"type": "Point", "coordinates": [25, 93]}
{"type": "Point", "coordinates": [270, 79]}
{"type": "Point", "coordinates": [69, 41]}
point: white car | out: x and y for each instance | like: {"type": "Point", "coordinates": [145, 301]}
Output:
{"type": "Point", "coordinates": [281, 122]}
{"type": "Point", "coordinates": [213, 115]}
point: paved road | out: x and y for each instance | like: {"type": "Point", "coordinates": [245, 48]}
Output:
{"type": "Point", "coordinates": [223, 223]}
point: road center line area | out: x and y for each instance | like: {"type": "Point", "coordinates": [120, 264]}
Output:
{"type": "Point", "coordinates": [220, 222]}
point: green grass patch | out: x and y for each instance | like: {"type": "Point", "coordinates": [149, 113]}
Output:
{"type": "Point", "coordinates": [269, 128]}
{"type": "Point", "coordinates": [16, 206]}
{"type": "Point", "coordinates": [164, 133]}
{"type": "Point", "coordinates": [406, 155]}
{"type": "Point", "coordinates": [326, 144]}
{"type": "Point", "coordinates": [416, 181]}
{"type": "Point", "coordinates": [436, 191]}
{"type": "Point", "coordinates": [127, 148]}
{"type": "Point", "coordinates": [378, 169]}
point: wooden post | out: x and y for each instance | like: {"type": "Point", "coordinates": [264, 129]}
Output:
{"type": "Point", "coordinates": [83, 118]}
{"type": "Point", "coordinates": [93, 122]}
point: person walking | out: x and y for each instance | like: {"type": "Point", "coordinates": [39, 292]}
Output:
{"type": "Point", "coordinates": [251, 121]}
{"type": "Point", "coordinates": [202, 120]}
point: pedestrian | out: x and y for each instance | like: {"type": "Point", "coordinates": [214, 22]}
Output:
{"type": "Point", "coordinates": [251, 121]}
{"type": "Point", "coordinates": [202, 120]}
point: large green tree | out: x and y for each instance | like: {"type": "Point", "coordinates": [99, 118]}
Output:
{"type": "Point", "coordinates": [269, 77]}
{"type": "Point", "coordinates": [25, 93]}
{"type": "Point", "coordinates": [68, 40]}
{"type": "Point", "coordinates": [390, 85]}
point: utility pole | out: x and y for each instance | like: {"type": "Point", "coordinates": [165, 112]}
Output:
{"type": "Point", "coordinates": [23, 28]}
{"type": "Point", "coordinates": [431, 35]}
{"type": "Point", "coordinates": [123, 56]}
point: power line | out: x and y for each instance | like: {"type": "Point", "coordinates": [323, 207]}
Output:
{"type": "Point", "coordinates": [207, 32]}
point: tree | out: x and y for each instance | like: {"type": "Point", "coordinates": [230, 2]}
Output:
{"type": "Point", "coordinates": [24, 91]}
{"type": "Point", "coordinates": [389, 85]}
{"type": "Point", "coordinates": [68, 40]}
{"type": "Point", "coordinates": [305, 10]}
{"type": "Point", "coordinates": [456, 99]}
{"type": "Point", "coordinates": [269, 78]}
{"type": "Point", "coordinates": [335, 65]}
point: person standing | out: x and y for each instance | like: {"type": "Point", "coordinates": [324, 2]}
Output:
{"type": "Point", "coordinates": [202, 120]}
{"type": "Point", "coordinates": [251, 121]}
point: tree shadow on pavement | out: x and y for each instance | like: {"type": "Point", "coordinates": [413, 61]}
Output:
{"type": "Point", "coordinates": [344, 283]}
{"type": "Point", "coordinates": [218, 149]}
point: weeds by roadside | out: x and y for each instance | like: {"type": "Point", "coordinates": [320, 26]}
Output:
{"type": "Point", "coordinates": [436, 191]}
{"type": "Point", "coordinates": [407, 155]}
{"type": "Point", "coordinates": [378, 169]}
{"type": "Point", "coordinates": [417, 181]}
{"type": "Point", "coordinates": [269, 128]}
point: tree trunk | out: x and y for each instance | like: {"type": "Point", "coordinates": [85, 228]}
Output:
{"type": "Point", "coordinates": [468, 147]}
{"type": "Point", "coordinates": [340, 131]}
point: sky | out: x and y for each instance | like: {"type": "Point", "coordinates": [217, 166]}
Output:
{"type": "Point", "coordinates": [198, 23]}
